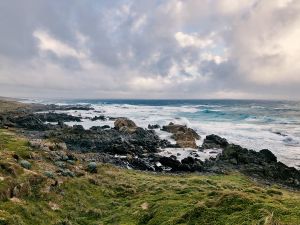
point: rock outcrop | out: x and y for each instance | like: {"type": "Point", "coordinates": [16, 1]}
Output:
{"type": "Point", "coordinates": [125, 125]}
{"type": "Point", "coordinates": [214, 141]}
{"type": "Point", "coordinates": [113, 141]}
{"type": "Point", "coordinates": [185, 137]}
{"type": "Point", "coordinates": [152, 127]}
{"type": "Point", "coordinates": [262, 165]}
{"type": "Point", "coordinates": [56, 117]}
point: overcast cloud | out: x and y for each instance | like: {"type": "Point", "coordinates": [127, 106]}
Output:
{"type": "Point", "coordinates": [150, 48]}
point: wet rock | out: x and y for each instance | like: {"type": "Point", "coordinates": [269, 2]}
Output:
{"type": "Point", "coordinates": [188, 160]}
{"type": "Point", "coordinates": [185, 137]}
{"type": "Point", "coordinates": [28, 121]}
{"type": "Point", "coordinates": [69, 107]}
{"type": "Point", "coordinates": [99, 128]}
{"type": "Point", "coordinates": [188, 164]}
{"type": "Point", "coordinates": [125, 125]}
{"type": "Point", "coordinates": [152, 127]}
{"type": "Point", "coordinates": [78, 128]}
{"type": "Point", "coordinates": [268, 155]}
{"type": "Point", "coordinates": [214, 141]}
{"type": "Point", "coordinates": [170, 162]}
{"type": "Point", "coordinates": [95, 118]}
{"type": "Point", "coordinates": [141, 164]}
{"type": "Point", "coordinates": [110, 140]}
{"type": "Point", "coordinates": [57, 117]}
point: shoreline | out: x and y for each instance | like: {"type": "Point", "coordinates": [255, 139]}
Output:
{"type": "Point", "coordinates": [129, 146]}
{"type": "Point", "coordinates": [256, 126]}
{"type": "Point", "coordinates": [45, 181]}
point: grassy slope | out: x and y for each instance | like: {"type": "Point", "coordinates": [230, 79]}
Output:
{"type": "Point", "coordinates": [9, 105]}
{"type": "Point", "coordinates": [119, 196]}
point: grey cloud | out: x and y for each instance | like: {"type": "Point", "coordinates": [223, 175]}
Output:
{"type": "Point", "coordinates": [127, 43]}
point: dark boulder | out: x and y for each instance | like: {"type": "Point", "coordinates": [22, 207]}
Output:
{"type": "Point", "coordinates": [188, 164]}
{"type": "Point", "coordinates": [92, 167]}
{"type": "Point", "coordinates": [188, 160]}
{"type": "Point", "coordinates": [214, 141]}
{"type": "Point", "coordinates": [78, 128]}
{"type": "Point", "coordinates": [170, 162]}
{"type": "Point", "coordinates": [141, 164]}
{"type": "Point", "coordinates": [152, 127]}
{"type": "Point", "coordinates": [98, 118]}
{"type": "Point", "coordinates": [268, 155]}
{"type": "Point", "coordinates": [99, 128]}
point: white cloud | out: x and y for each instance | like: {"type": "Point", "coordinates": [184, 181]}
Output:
{"type": "Point", "coordinates": [193, 40]}
{"type": "Point", "coordinates": [232, 7]}
{"type": "Point", "coordinates": [139, 23]}
{"type": "Point", "coordinates": [171, 48]}
{"type": "Point", "coordinates": [217, 59]}
{"type": "Point", "coordinates": [266, 43]}
{"type": "Point", "coordinates": [49, 43]}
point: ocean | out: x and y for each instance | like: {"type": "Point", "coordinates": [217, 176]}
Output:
{"type": "Point", "coordinates": [254, 124]}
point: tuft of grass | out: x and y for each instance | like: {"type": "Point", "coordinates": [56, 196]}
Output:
{"type": "Point", "coordinates": [9, 142]}
{"type": "Point", "coordinates": [120, 196]}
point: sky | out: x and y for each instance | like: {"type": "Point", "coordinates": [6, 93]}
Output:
{"type": "Point", "coordinates": [190, 49]}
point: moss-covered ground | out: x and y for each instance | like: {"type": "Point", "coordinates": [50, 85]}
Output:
{"type": "Point", "coordinates": [121, 196]}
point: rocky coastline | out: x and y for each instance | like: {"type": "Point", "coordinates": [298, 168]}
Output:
{"type": "Point", "coordinates": [129, 146]}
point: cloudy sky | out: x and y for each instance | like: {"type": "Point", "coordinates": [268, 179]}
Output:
{"type": "Point", "coordinates": [150, 48]}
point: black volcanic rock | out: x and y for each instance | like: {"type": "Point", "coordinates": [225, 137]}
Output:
{"type": "Point", "coordinates": [268, 155]}
{"type": "Point", "coordinates": [214, 141]}
{"type": "Point", "coordinates": [56, 117]}
{"type": "Point", "coordinates": [152, 127]}
{"type": "Point", "coordinates": [68, 107]}
{"type": "Point", "coordinates": [111, 141]}
{"type": "Point", "coordinates": [28, 121]}
{"type": "Point", "coordinates": [95, 118]}
{"type": "Point", "coordinates": [262, 165]}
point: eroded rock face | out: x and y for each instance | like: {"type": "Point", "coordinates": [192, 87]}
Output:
{"type": "Point", "coordinates": [185, 137]}
{"type": "Point", "coordinates": [125, 125]}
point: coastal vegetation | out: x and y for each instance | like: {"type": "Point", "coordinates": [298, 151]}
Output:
{"type": "Point", "coordinates": [120, 196]}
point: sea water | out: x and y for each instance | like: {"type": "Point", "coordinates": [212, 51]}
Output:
{"type": "Point", "coordinates": [253, 124]}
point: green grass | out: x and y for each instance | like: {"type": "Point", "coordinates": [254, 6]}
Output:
{"type": "Point", "coordinates": [119, 196]}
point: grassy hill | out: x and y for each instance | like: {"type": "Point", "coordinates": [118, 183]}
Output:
{"type": "Point", "coordinates": [120, 196]}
